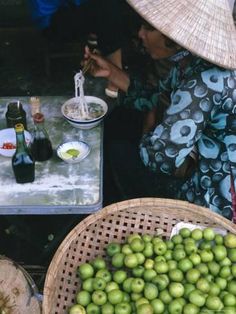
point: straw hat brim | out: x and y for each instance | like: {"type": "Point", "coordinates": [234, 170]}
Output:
{"type": "Point", "coordinates": [204, 27]}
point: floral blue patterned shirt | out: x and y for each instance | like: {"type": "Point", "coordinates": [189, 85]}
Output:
{"type": "Point", "coordinates": [202, 114]}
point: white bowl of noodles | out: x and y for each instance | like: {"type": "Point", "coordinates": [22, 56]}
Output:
{"type": "Point", "coordinates": [97, 109]}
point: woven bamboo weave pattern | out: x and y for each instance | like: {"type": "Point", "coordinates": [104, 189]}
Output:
{"type": "Point", "coordinates": [206, 28]}
{"type": "Point", "coordinates": [17, 289]}
{"type": "Point", "coordinates": [114, 223]}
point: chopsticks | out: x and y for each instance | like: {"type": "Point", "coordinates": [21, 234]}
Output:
{"type": "Point", "coordinates": [87, 66]}
{"type": "Point", "coordinates": [90, 62]}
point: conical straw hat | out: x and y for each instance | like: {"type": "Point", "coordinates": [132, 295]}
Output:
{"type": "Point", "coordinates": [231, 4]}
{"type": "Point", "coordinates": [204, 27]}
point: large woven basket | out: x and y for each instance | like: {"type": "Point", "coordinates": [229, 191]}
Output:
{"type": "Point", "coordinates": [113, 223]}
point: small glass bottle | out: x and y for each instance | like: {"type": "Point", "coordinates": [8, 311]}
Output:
{"type": "Point", "coordinates": [35, 105]}
{"type": "Point", "coordinates": [15, 114]}
{"type": "Point", "coordinates": [41, 146]}
{"type": "Point", "coordinates": [22, 161]}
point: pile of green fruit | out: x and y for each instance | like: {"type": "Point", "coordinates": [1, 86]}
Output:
{"type": "Point", "coordinates": [194, 272]}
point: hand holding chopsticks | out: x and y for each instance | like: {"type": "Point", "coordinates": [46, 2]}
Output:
{"type": "Point", "coordinates": [90, 63]}
{"type": "Point", "coordinates": [87, 66]}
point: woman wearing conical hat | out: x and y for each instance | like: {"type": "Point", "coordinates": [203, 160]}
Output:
{"type": "Point", "coordinates": [199, 37]}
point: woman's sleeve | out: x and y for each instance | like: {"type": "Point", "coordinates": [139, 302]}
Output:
{"type": "Point", "coordinates": [166, 148]}
{"type": "Point", "coordinates": [141, 95]}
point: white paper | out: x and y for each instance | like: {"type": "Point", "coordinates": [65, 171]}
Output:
{"type": "Point", "coordinates": [181, 225]}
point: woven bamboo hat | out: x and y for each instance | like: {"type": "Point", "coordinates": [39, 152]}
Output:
{"type": "Point", "coordinates": [204, 27]}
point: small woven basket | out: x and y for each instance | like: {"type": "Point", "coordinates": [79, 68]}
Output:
{"type": "Point", "coordinates": [18, 292]}
{"type": "Point", "coordinates": [113, 223]}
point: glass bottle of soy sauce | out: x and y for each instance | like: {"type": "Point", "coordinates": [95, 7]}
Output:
{"type": "Point", "coordinates": [41, 146]}
{"type": "Point", "coordinates": [15, 114]}
{"type": "Point", "coordinates": [22, 161]}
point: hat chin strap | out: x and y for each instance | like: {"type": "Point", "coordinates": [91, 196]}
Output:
{"type": "Point", "coordinates": [179, 56]}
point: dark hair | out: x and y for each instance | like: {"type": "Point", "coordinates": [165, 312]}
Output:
{"type": "Point", "coordinates": [146, 25]}
{"type": "Point", "coordinates": [170, 43]}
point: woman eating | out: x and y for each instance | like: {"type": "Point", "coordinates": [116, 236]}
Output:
{"type": "Point", "coordinates": [199, 37]}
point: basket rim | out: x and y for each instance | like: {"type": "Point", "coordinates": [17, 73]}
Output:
{"type": "Point", "coordinates": [119, 206]}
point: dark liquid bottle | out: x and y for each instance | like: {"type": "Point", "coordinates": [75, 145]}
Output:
{"type": "Point", "coordinates": [22, 161]}
{"type": "Point", "coordinates": [41, 146]}
{"type": "Point", "coordinates": [15, 114]}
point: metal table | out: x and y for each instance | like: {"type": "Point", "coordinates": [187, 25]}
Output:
{"type": "Point", "coordinates": [59, 187]}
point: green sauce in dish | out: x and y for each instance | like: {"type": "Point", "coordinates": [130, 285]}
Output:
{"type": "Point", "coordinates": [70, 153]}
{"type": "Point", "coordinates": [73, 152]}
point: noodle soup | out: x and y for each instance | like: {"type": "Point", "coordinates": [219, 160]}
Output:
{"type": "Point", "coordinates": [95, 111]}
{"type": "Point", "coordinates": [74, 113]}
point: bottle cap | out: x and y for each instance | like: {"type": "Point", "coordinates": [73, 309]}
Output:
{"type": "Point", "coordinates": [19, 127]}
{"type": "Point", "coordinates": [38, 117]}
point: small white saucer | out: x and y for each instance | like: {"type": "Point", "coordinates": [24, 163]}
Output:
{"type": "Point", "coordinates": [73, 152]}
{"type": "Point", "coordinates": [9, 136]}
